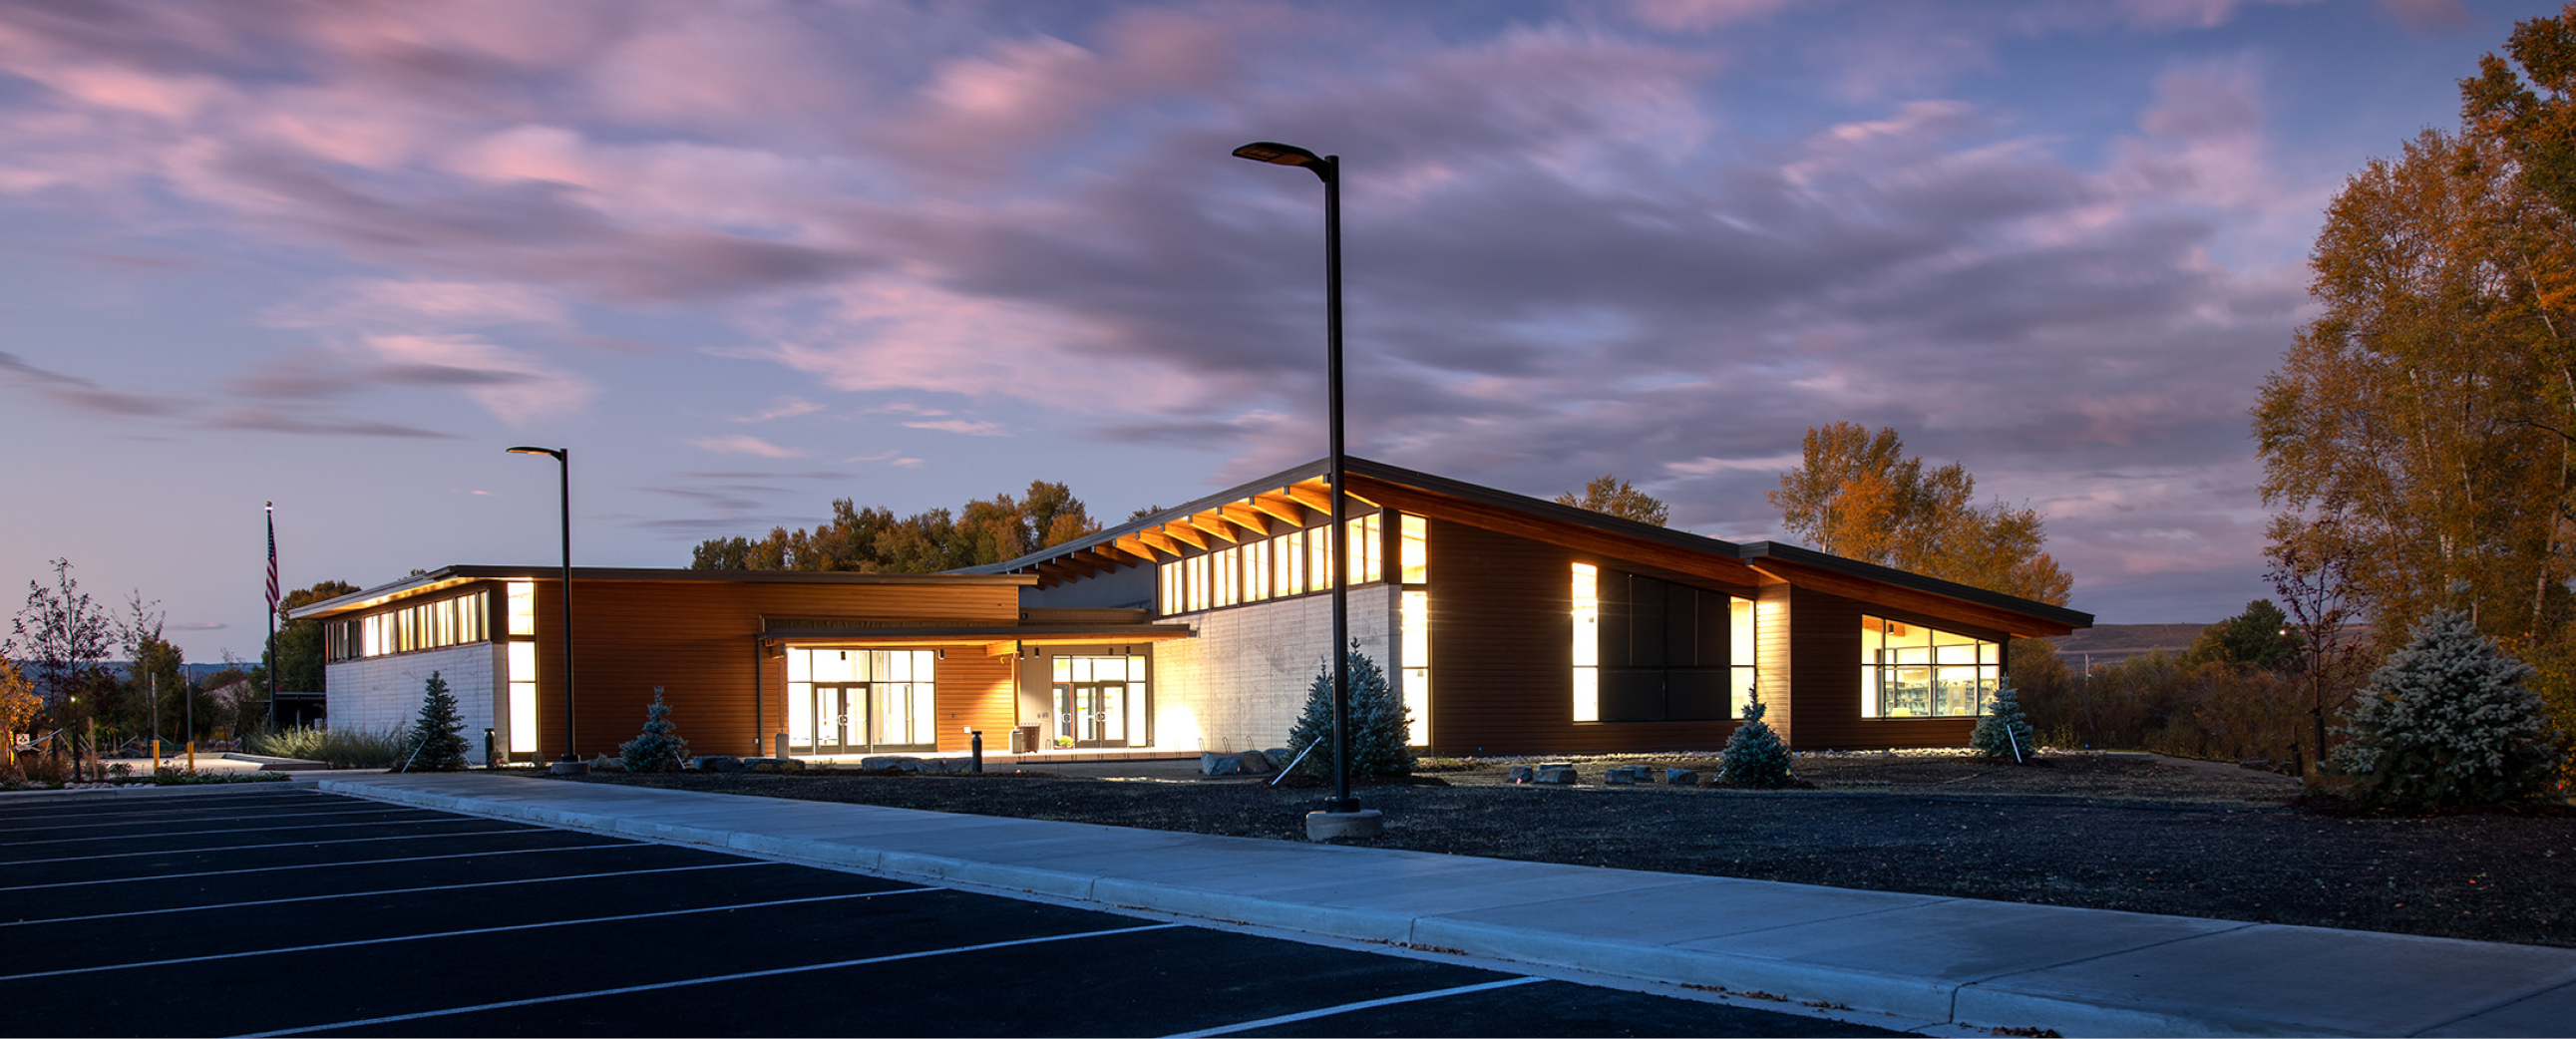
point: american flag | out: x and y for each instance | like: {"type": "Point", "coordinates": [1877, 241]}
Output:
{"type": "Point", "coordinates": [272, 557]}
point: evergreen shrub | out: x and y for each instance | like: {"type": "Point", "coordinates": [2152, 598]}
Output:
{"type": "Point", "coordinates": [2004, 734]}
{"type": "Point", "coordinates": [1378, 723]}
{"type": "Point", "coordinates": [437, 739]}
{"type": "Point", "coordinates": [1755, 755]}
{"type": "Point", "coordinates": [660, 748]}
{"type": "Point", "coordinates": [2449, 720]}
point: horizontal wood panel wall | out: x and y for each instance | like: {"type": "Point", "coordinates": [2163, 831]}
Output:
{"type": "Point", "coordinates": [695, 640]}
{"type": "Point", "coordinates": [1825, 671]}
{"type": "Point", "coordinates": [1502, 652]}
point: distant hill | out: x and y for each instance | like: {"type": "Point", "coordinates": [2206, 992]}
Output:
{"type": "Point", "coordinates": [2113, 643]}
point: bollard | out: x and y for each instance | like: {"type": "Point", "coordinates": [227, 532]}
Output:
{"type": "Point", "coordinates": [781, 740]}
{"type": "Point", "coordinates": [490, 761]}
{"type": "Point", "coordinates": [976, 740]}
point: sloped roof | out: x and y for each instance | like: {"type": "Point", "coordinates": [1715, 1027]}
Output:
{"type": "Point", "coordinates": [1298, 497]}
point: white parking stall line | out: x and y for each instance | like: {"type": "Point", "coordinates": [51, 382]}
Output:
{"type": "Point", "coordinates": [256, 847]}
{"type": "Point", "coordinates": [246, 829]}
{"type": "Point", "coordinates": [208, 819]}
{"type": "Point", "coordinates": [312, 865]}
{"type": "Point", "coordinates": [388, 891]}
{"type": "Point", "coordinates": [1366, 1004]}
{"type": "Point", "coordinates": [336, 1026]}
{"type": "Point", "coordinates": [103, 968]}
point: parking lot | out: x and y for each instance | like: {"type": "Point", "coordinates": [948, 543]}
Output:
{"type": "Point", "coordinates": [279, 910]}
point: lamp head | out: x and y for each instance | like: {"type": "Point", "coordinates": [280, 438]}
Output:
{"type": "Point", "coordinates": [1278, 154]}
{"type": "Point", "coordinates": [555, 453]}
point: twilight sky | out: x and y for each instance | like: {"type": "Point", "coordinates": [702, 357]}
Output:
{"type": "Point", "coordinates": [746, 257]}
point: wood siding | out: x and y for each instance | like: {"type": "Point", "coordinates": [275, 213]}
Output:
{"type": "Point", "coordinates": [1502, 652]}
{"type": "Point", "coordinates": [696, 641]}
{"type": "Point", "coordinates": [1824, 671]}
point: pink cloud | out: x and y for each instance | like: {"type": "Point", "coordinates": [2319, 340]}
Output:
{"type": "Point", "coordinates": [742, 444]}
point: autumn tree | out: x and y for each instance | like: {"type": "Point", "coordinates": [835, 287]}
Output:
{"type": "Point", "coordinates": [1610, 494]}
{"type": "Point", "coordinates": [1858, 495]}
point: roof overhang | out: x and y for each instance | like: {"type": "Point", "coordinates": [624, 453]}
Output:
{"type": "Point", "coordinates": [1299, 497]}
{"type": "Point", "coordinates": [448, 577]}
{"type": "Point", "coordinates": [995, 639]}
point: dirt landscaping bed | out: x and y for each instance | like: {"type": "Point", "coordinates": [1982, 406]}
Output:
{"type": "Point", "coordinates": [2103, 831]}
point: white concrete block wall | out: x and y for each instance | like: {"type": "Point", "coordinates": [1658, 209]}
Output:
{"type": "Point", "coordinates": [1241, 683]}
{"type": "Point", "coordinates": [382, 694]}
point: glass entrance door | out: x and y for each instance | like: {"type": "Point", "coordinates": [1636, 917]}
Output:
{"type": "Point", "coordinates": [840, 719]}
{"type": "Point", "coordinates": [1093, 714]}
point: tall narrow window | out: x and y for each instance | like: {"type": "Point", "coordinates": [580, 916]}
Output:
{"type": "Point", "coordinates": [1319, 558]}
{"type": "Point", "coordinates": [523, 697]}
{"type": "Point", "coordinates": [1587, 643]}
{"type": "Point", "coordinates": [1739, 641]}
{"type": "Point", "coordinates": [1414, 552]}
{"type": "Point", "coordinates": [1256, 571]}
{"type": "Point", "coordinates": [523, 608]}
{"type": "Point", "coordinates": [1367, 548]}
{"type": "Point", "coordinates": [1290, 566]}
{"type": "Point", "coordinates": [1415, 613]}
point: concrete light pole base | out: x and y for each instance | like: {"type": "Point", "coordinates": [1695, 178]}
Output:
{"type": "Point", "coordinates": [569, 768]}
{"type": "Point", "coordinates": [1324, 826]}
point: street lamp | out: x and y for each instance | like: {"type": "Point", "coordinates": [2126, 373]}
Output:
{"type": "Point", "coordinates": [563, 459]}
{"type": "Point", "coordinates": [1342, 815]}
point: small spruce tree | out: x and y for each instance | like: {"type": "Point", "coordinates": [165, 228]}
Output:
{"type": "Point", "coordinates": [437, 739]}
{"type": "Point", "coordinates": [1755, 755]}
{"type": "Point", "coordinates": [2449, 720]}
{"type": "Point", "coordinates": [660, 748]}
{"type": "Point", "coordinates": [2004, 734]}
{"type": "Point", "coordinates": [1378, 723]}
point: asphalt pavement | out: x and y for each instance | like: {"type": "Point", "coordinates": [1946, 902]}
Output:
{"type": "Point", "coordinates": [277, 909]}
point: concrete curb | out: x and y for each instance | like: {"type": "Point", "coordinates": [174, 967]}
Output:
{"type": "Point", "coordinates": [1929, 960]}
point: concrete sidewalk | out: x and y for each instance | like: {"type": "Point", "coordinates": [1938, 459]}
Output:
{"type": "Point", "coordinates": [1924, 961]}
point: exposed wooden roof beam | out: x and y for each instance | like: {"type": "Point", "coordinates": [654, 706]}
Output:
{"type": "Point", "coordinates": [1279, 504]}
{"type": "Point", "coordinates": [1183, 533]}
{"type": "Point", "coordinates": [1105, 562]}
{"type": "Point", "coordinates": [1073, 561]}
{"type": "Point", "coordinates": [1311, 495]}
{"type": "Point", "coordinates": [1134, 545]}
{"type": "Point", "coordinates": [1242, 514]}
{"type": "Point", "coordinates": [1166, 545]}
{"type": "Point", "coordinates": [1213, 524]}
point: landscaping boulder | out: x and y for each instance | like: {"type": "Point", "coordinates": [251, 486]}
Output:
{"type": "Point", "coordinates": [1257, 762]}
{"type": "Point", "coordinates": [773, 765]}
{"type": "Point", "coordinates": [1523, 773]}
{"type": "Point", "coordinates": [1618, 775]}
{"type": "Point", "coordinates": [897, 762]}
{"type": "Point", "coordinates": [1554, 775]}
{"type": "Point", "coordinates": [716, 763]}
{"type": "Point", "coordinates": [1212, 763]}
{"type": "Point", "coordinates": [1680, 777]}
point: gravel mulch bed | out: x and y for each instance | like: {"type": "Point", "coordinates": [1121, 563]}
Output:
{"type": "Point", "coordinates": [2128, 832]}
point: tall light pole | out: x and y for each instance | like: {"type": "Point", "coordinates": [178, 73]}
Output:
{"type": "Point", "coordinates": [1342, 815]}
{"type": "Point", "coordinates": [563, 460]}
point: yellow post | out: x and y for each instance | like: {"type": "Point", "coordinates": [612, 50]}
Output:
{"type": "Point", "coordinates": [192, 756]}
{"type": "Point", "coordinates": [156, 753]}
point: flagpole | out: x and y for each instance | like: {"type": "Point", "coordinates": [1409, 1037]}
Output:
{"type": "Point", "coordinates": [272, 617]}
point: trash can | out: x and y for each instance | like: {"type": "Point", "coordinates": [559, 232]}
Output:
{"type": "Point", "coordinates": [1020, 739]}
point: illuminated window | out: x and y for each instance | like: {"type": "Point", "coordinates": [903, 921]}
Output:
{"type": "Point", "coordinates": [1414, 611]}
{"type": "Point", "coordinates": [1414, 555]}
{"type": "Point", "coordinates": [522, 663]}
{"type": "Point", "coordinates": [1911, 671]}
{"type": "Point", "coordinates": [1256, 572]}
{"type": "Point", "coordinates": [1367, 548]}
{"type": "Point", "coordinates": [523, 608]}
{"type": "Point", "coordinates": [855, 701]}
{"type": "Point", "coordinates": [1587, 643]}
{"type": "Point", "coordinates": [1319, 558]}
{"type": "Point", "coordinates": [1289, 571]}
{"type": "Point", "coordinates": [454, 621]}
